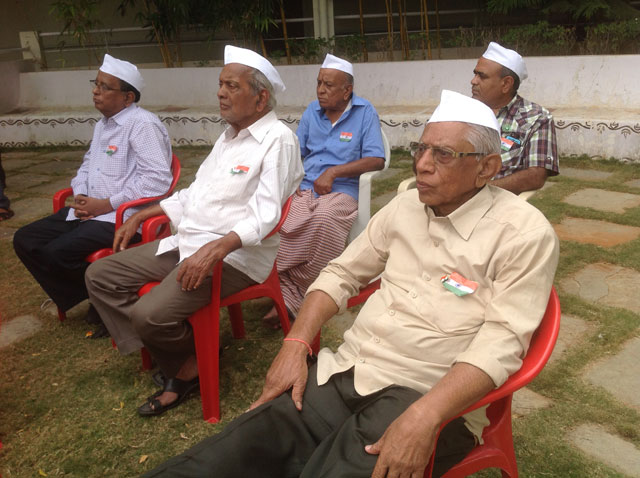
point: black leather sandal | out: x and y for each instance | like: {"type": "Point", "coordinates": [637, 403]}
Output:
{"type": "Point", "coordinates": [153, 407]}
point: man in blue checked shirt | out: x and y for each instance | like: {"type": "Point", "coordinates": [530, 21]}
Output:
{"type": "Point", "coordinates": [129, 158]}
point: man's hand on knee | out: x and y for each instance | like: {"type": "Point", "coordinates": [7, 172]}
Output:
{"type": "Point", "coordinates": [195, 268]}
{"type": "Point", "coordinates": [288, 371]}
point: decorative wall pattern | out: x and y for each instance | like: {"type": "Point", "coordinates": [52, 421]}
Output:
{"type": "Point", "coordinates": [596, 138]}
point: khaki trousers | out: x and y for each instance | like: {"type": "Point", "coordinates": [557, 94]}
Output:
{"type": "Point", "coordinates": [157, 320]}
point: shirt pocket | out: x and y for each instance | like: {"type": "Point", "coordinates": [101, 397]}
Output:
{"type": "Point", "coordinates": [447, 312]}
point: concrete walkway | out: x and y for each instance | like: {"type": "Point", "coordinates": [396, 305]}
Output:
{"type": "Point", "coordinates": [34, 176]}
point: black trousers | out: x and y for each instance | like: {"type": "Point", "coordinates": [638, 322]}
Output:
{"type": "Point", "coordinates": [54, 250]}
{"type": "Point", "coordinates": [326, 439]}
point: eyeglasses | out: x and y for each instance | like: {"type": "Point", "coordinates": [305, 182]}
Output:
{"type": "Point", "coordinates": [441, 155]}
{"type": "Point", "coordinates": [102, 87]}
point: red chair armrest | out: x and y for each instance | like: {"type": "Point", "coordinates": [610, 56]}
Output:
{"type": "Point", "coordinates": [135, 203]}
{"type": "Point", "coordinates": [60, 198]}
{"type": "Point", "coordinates": [151, 226]}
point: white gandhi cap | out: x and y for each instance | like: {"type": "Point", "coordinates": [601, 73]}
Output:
{"type": "Point", "coordinates": [336, 63]}
{"type": "Point", "coordinates": [123, 70]}
{"type": "Point", "coordinates": [234, 54]}
{"type": "Point", "coordinates": [505, 57]}
{"type": "Point", "coordinates": [460, 108]}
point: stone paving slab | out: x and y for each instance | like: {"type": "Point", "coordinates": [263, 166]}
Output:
{"type": "Point", "coordinates": [382, 200]}
{"type": "Point", "coordinates": [18, 163]}
{"type": "Point", "coordinates": [590, 231]}
{"type": "Point", "coordinates": [18, 329]}
{"type": "Point", "coordinates": [635, 183]}
{"type": "Point", "coordinates": [585, 174]}
{"type": "Point", "coordinates": [602, 200]}
{"type": "Point", "coordinates": [19, 155]}
{"type": "Point", "coordinates": [526, 401]}
{"type": "Point", "coordinates": [572, 330]}
{"type": "Point", "coordinates": [619, 374]}
{"type": "Point", "coordinates": [21, 181]}
{"type": "Point", "coordinates": [606, 284]}
{"type": "Point", "coordinates": [30, 209]}
{"type": "Point", "coordinates": [6, 232]}
{"type": "Point", "coordinates": [50, 188]}
{"type": "Point", "coordinates": [56, 167]}
{"type": "Point", "coordinates": [76, 155]}
{"type": "Point", "coordinates": [600, 445]}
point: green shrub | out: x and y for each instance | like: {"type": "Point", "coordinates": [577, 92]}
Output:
{"type": "Point", "coordinates": [540, 39]}
{"type": "Point", "coordinates": [613, 38]}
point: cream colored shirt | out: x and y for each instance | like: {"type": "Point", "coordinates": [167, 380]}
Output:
{"type": "Point", "coordinates": [240, 187]}
{"type": "Point", "coordinates": [412, 330]}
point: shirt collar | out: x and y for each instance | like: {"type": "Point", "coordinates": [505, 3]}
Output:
{"type": "Point", "coordinates": [468, 215]}
{"type": "Point", "coordinates": [258, 129]}
{"type": "Point", "coordinates": [121, 116]}
{"type": "Point", "coordinates": [511, 107]}
{"type": "Point", "coordinates": [355, 101]}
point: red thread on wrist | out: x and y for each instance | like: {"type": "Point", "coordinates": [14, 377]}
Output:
{"type": "Point", "coordinates": [291, 339]}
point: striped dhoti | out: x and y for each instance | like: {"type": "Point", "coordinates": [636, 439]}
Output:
{"type": "Point", "coordinates": [314, 233]}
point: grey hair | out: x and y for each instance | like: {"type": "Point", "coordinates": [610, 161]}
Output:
{"type": "Point", "coordinates": [483, 139]}
{"type": "Point", "coordinates": [259, 82]}
{"type": "Point", "coordinates": [349, 78]}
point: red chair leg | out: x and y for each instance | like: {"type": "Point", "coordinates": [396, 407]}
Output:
{"type": "Point", "coordinates": [61, 315]}
{"type": "Point", "coordinates": [206, 332]}
{"type": "Point", "coordinates": [147, 361]}
{"type": "Point", "coordinates": [282, 314]}
{"type": "Point", "coordinates": [237, 324]}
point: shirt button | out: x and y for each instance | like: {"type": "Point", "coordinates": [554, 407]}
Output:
{"type": "Point", "coordinates": [361, 360]}
{"type": "Point", "coordinates": [392, 312]}
{"type": "Point", "coordinates": [376, 340]}
{"type": "Point", "coordinates": [436, 243]}
{"type": "Point", "coordinates": [414, 295]}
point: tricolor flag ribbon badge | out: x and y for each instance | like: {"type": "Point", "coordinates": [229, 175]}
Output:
{"type": "Point", "coordinates": [111, 149]}
{"type": "Point", "coordinates": [506, 143]}
{"type": "Point", "coordinates": [457, 284]}
{"type": "Point", "coordinates": [239, 169]}
{"type": "Point", "coordinates": [345, 137]}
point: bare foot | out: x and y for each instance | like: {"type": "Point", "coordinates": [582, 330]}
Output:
{"type": "Point", "coordinates": [271, 319]}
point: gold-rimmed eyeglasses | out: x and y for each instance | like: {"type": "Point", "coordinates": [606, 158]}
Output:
{"type": "Point", "coordinates": [441, 154]}
{"type": "Point", "coordinates": [102, 87]}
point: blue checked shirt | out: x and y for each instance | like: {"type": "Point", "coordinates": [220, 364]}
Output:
{"type": "Point", "coordinates": [129, 158]}
{"type": "Point", "coordinates": [528, 137]}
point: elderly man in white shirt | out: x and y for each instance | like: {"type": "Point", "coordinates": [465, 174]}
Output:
{"type": "Point", "coordinates": [233, 203]}
{"type": "Point", "coordinates": [129, 158]}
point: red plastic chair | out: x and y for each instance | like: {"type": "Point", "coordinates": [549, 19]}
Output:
{"type": "Point", "coordinates": [206, 323]}
{"type": "Point", "coordinates": [61, 196]}
{"type": "Point", "coordinates": [497, 450]}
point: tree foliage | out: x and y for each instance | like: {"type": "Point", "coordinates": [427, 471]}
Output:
{"type": "Point", "coordinates": [578, 9]}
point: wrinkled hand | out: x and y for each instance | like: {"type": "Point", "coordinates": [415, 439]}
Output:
{"type": "Point", "coordinates": [405, 448]}
{"type": "Point", "coordinates": [124, 233]}
{"type": "Point", "coordinates": [87, 207]}
{"type": "Point", "coordinates": [324, 183]}
{"type": "Point", "coordinates": [288, 371]}
{"type": "Point", "coordinates": [195, 268]}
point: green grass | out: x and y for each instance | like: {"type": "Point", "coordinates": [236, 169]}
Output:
{"type": "Point", "coordinates": [68, 404]}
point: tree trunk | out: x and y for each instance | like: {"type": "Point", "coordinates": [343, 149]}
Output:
{"type": "Point", "coordinates": [389, 7]}
{"type": "Point", "coordinates": [365, 55]}
{"type": "Point", "coordinates": [438, 30]}
{"type": "Point", "coordinates": [426, 28]}
{"type": "Point", "coordinates": [284, 33]}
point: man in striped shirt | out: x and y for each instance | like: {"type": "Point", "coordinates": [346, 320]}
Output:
{"type": "Point", "coordinates": [340, 139]}
{"type": "Point", "coordinates": [528, 136]}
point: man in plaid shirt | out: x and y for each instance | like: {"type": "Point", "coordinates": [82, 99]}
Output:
{"type": "Point", "coordinates": [528, 136]}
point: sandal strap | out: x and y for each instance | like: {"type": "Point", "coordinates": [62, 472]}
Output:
{"type": "Point", "coordinates": [178, 386]}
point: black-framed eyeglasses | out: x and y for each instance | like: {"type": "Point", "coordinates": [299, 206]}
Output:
{"type": "Point", "coordinates": [103, 87]}
{"type": "Point", "coordinates": [441, 155]}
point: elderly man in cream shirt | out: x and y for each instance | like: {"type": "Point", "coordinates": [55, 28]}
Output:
{"type": "Point", "coordinates": [225, 215]}
{"type": "Point", "coordinates": [466, 273]}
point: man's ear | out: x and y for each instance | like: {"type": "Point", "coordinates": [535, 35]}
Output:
{"type": "Point", "coordinates": [348, 91]}
{"type": "Point", "coordinates": [488, 167]}
{"type": "Point", "coordinates": [129, 98]}
{"type": "Point", "coordinates": [263, 100]}
{"type": "Point", "coordinates": [506, 85]}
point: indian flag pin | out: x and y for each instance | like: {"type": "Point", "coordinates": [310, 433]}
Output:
{"type": "Point", "coordinates": [457, 284]}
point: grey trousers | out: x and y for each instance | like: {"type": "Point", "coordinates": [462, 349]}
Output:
{"type": "Point", "coordinates": [326, 439]}
{"type": "Point", "coordinates": [157, 320]}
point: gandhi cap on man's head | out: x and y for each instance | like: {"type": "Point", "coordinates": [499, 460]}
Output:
{"type": "Point", "coordinates": [336, 63]}
{"type": "Point", "coordinates": [123, 70]}
{"type": "Point", "coordinates": [505, 57]}
{"type": "Point", "coordinates": [234, 54]}
{"type": "Point", "coordinates": [460, 108]}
